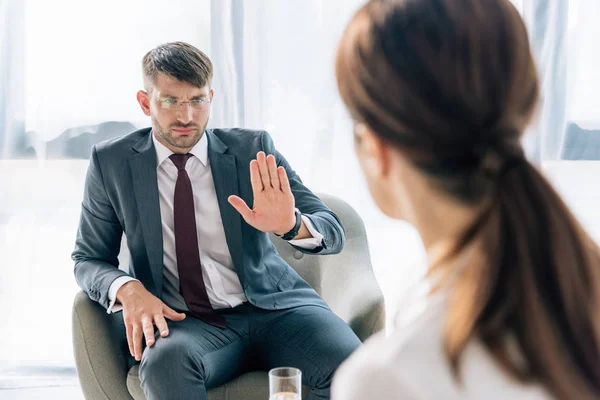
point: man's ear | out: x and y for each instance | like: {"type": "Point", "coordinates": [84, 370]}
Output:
{"type": "Point", "coordinates": [143, 99]}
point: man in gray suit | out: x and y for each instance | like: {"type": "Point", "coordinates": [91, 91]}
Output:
{"type": "Point", "coordinates": [200, 256]}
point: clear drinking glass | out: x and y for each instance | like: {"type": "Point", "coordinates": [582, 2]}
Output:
{"type": "Point", "coordinates": [285, 384]}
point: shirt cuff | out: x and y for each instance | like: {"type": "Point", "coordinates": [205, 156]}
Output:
{"type": "Point", "coordinates": [112, 293]}
{"type": "Point", "coordinates": [309, 243]}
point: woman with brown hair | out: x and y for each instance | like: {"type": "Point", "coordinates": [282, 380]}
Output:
{"type": "Point", "coordinates": [441, 91]}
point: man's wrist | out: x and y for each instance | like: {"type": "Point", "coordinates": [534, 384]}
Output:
{"type": "Point", "coordinates": [293, 232]}
{"type": "Point", "coordinates": [290, 227]}
{"type": "Point", "coordinates": [126, 290]}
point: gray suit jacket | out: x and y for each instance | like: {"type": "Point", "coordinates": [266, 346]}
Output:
{"type": "Point", "coordinates": [121, 196]}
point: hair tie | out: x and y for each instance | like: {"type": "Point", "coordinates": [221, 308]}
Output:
{"type": "Point", "coordinates": [496, 164]}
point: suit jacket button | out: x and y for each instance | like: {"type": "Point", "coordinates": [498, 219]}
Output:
{"type": "Point", "coordinates": [298, 255]}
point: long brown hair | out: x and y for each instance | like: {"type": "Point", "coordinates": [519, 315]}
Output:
{"type": "Point", "coordinates": [452, 84]}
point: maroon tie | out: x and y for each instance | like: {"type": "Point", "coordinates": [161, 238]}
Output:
{"type": "Point", "coordinates": [191, 283]}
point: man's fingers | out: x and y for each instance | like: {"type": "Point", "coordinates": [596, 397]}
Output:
{"type": "Point", "coordinates": [129, 333]}
{"type": "Point", "coordinates": [272, 166]}
{"type": "Point", "coordinates": [172, 314]}
{"type": "Point", "coordinates": [240, 205]}
{"type": "Point", "coordinates": [148, 329]}
{"type": "Point", "coordinates": [137, 341]}
{"type": "Point", "coordinates": [264, 170]}
{"type": "Point", "coordinates": [161, 324]}
{"type": "Point", "coordinates": [284, 181]}
{"type": "Point", "coordinates": [257, 185]}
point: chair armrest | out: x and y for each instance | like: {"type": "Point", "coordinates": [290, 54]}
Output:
{"type": "Point", "coordinates": [345, 280]}
{"type": "Point", "coordinates": [366, 313]}
{"type": "Point", "coordinates": [349, 287]}
{"type": "Point", "coordinates": [101, 366]}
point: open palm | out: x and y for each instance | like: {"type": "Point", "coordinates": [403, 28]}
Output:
{"type": "Point", "coordinates": [273, 199]}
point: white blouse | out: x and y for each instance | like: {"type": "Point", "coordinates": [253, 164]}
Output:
{"type": "Point", "coordinates": [410, 363]}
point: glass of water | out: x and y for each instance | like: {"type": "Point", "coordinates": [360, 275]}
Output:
{"type": "Point", "coordinates": [285, 384]}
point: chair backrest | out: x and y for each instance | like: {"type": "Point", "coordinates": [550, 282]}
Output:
{"type": "Point", "coordinates": [334, 276]}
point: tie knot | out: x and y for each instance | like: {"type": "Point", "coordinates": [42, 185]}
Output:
{"type": "Point", "coordinates": [179, 160]}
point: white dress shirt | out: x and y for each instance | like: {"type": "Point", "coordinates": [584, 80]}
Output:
{"type": "Point", "coordinates": [411, 364]}
{"type": "Point", "coordinates": [220, 278]}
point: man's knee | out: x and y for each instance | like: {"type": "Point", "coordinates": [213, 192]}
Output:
{"type": "Point", "coordinates": [169, 358]}
{"type": "Point", "coordinates": [342, 346]}
{"type": "Point", "coordinates": [338, 351]}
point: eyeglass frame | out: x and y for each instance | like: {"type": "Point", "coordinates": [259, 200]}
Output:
{"type": "Point", "coordinates": [178, 105]}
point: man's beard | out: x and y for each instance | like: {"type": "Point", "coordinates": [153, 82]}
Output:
{"type": "Point", "coordinates": [180, 142]}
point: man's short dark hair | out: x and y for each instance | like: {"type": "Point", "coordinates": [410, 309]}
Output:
{"type": "Point", "coordinates": [180, 61]}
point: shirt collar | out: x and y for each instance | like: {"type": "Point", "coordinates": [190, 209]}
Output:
{"type": "Point", "coordinates": [200, 150]}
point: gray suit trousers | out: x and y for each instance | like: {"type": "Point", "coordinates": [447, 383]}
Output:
{"type": "Point", "coordinates": [197, 356]}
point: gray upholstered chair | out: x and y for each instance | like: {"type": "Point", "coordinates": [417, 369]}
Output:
{"type": "Point", "coordinates": [344, 280]}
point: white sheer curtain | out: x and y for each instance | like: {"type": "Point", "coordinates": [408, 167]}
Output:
{"type": "Point", "coordinates": [274, 64]}
{"type": "Point", "coordinates": [564, 36]}
{"type": "Point", "coordinates": [81, 68]}
{"type": "Point", "coordinates": [274, 71]}
{"type": "Point", "coordinates": [83, 59]}
{"type": "Point", "coordinates": [12, 77]}
{"type": "Point", "coordinates": [572, 92]}
{"type": "Point", "coordinates": [547, 24]}
{"type": "Point", "coordinates": [583, 77]}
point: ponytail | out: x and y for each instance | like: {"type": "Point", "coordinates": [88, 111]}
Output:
{"type": "Point", "coordinates": [537, 287]}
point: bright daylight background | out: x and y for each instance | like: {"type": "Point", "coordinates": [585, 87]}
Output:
{"type": "Point", "coordinates": [69, 71]}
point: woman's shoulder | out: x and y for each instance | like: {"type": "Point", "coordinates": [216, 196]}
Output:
{"type": "Point", "coordinates": [384, 367]}
{"type": "Point", "coordinates": [370, 374]}
{"type": "Point", "coordinates": [410, 363]}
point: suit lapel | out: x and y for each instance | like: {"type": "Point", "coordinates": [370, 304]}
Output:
{"type": "Point", "coordinates": [145, 187]}
{"type": "Point", "coordinates": [224, 172]}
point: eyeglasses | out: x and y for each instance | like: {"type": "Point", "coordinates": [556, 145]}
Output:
{"type": "Point", "coordinates": [174, 104]}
